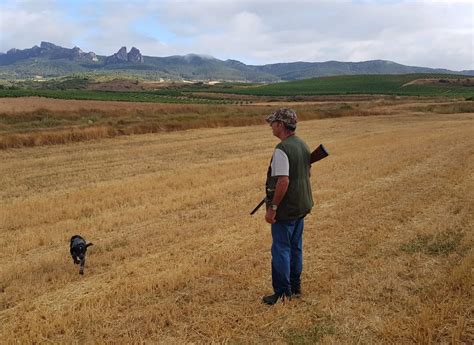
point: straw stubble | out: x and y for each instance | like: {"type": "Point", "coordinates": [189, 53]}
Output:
{"type": "Point", "coordinates": [177, 258]}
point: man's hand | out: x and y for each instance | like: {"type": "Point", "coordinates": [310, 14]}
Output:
{"type": "Point", "coordinates": [280, 191]}
{"type": "Point", "coordinates": [270, 216]}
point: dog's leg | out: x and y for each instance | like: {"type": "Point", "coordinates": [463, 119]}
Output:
{"type": "Point", "coordinates": [81, 269]}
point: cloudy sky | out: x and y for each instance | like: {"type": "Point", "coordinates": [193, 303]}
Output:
{"type": "Point", "coordinates": [425, 33]}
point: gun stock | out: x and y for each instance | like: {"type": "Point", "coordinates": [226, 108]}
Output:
{"type": "Point", "coordinates": [319, 153]}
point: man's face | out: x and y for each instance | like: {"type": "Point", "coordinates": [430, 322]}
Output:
{"type": "Point", "coordinates": [276, 127]}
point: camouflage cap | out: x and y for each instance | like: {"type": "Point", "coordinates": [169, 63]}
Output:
{"type": "Point", "coordinates": [285, 115]}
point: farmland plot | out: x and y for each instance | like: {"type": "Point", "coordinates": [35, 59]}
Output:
{"type": "Point", "coordinates": [176, 257]}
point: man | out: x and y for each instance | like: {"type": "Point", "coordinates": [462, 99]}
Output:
{"type": "Point", "coordinates": [288, 201]}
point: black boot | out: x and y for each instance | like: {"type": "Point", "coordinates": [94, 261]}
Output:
{"type": "Point", "coordinates": [272, 299]}
{"type": "Point", "coordinates": [296, 289]}
{"type": "Point", "coordinates": [296, 293]}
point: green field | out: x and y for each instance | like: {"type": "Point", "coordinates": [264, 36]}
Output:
{"type": "Point", "coordinates": [447, 85]}
{"type": "Point", "coordinates": [395, 85]}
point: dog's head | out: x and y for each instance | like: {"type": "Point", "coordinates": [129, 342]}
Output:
{"type": "Point", "coordinates": [79, 246]}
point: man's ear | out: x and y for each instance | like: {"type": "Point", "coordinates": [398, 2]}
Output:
{"type": "Point", "coordinates": [89, 244]}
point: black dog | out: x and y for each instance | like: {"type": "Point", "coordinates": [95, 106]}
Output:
{"type": "Point", "coordinates": [78, 251]}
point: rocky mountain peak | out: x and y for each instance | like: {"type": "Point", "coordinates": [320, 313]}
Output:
{"type": "Point", "coordinates": [91, 56]}
{"type": "Point", "coordinates": [135, 56]}
{"type": "Point", "coordinates": [48, 46]}
{"type": "Point", "coordinates": [47, 50]}
{"type": "Point", "coordinates": [122, 56]}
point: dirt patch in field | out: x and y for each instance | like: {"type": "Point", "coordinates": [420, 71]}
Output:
{"type": "Point", "coordinates": [127, 85]}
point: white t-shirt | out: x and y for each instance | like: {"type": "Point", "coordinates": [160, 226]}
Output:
{"type": "Point", "coordinates": [280, 164]}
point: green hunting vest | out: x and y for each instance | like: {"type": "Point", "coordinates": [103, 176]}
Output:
{"type": "Point", "coordinates": [298, 199]}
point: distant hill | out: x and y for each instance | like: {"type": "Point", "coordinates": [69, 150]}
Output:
{"type": "Point", "coordinates": [50, 60]}
{"type": "Point", "coordinates": [305, 70]}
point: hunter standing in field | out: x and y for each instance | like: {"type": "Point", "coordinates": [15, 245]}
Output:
{"type": "Point", "coordinates": [288, 201]}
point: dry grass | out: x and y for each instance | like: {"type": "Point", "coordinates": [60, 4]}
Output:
{"type": "Point", "coordinates": [177, 258]}
{"type": "Point", "coordinates": [34, 121]}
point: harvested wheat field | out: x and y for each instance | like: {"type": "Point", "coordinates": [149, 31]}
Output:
{"type": "Point", "coordinates": [388, 248]}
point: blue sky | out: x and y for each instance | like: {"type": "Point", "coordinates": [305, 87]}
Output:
{"type": "Point", "coordinates": [437, 34]}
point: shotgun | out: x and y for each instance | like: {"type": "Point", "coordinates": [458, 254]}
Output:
{"type": "Point", "coordinates": [316, 155]}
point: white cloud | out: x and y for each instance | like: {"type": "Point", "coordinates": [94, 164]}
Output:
{"type": "Point", "coordinates": [21, 28]}
{"type": "Point", "coordinates": [419, 33]}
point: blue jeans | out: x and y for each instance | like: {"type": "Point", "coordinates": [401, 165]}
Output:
{"type": "Point", "coordinates": [287, 255]}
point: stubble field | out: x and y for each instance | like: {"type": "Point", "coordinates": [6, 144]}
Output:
{"type": "Point", "coordinates": [388, 252]}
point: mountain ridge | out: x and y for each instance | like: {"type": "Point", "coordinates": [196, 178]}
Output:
{"type": "Point", "coordinates": [50, 60]}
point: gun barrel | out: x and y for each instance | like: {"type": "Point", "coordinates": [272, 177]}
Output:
{"type": "Point", "coordinates": [257, 207]}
